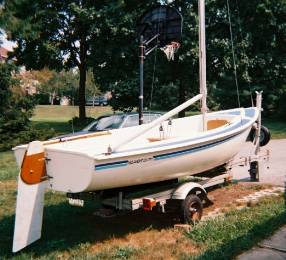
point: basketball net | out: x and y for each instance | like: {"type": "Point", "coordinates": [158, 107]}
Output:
{"type": "Point", "coordinates": [170, 50]}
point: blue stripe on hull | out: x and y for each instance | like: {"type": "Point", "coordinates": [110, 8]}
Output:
{"type": "Point", "coordinates": [191, 150]}
{"type": "Point", "coordinates": [111, 165]}
{"type": "Point", "coordinates": [118, 164]}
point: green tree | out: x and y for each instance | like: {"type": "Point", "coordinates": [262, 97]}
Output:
{"type": "Point", "coordinates": [116, 63]}
{"type": "Point", "coordinates": [53, 33]}
{"type": "Point", "coordinates": [115, 56]}
{"type": "Point", "coordinates": [264, 34]}
{"type": "Point", "coordinates": [259, 44]}
{"type": "Point", "coordinates": [63, 83]}
{"type": "Point", "coordinates": [15, 109]}
{"type": "Point", "coordinates": [92, 88]}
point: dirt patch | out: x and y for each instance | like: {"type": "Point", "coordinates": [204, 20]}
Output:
{"type": "Point", "coordinates": [135, 235]}
{"type": "Point", "coordinates": [225, 197]}
{"type": "Point", "coordinates": [164, 244]}
{"type": "Point", "coordinates": [157, 236]}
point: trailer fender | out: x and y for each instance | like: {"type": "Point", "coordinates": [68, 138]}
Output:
{"type": "Point", "coordinates": [187, 188]}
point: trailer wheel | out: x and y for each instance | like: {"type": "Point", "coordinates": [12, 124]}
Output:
{"type": "Point", "coordinates": [265, 135]}
{"type": "Point", "coordinates": [192, 209]}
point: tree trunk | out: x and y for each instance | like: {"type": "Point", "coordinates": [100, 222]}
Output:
{"type": "Point", "coordinates": [182, 98]}
{"type": "Point", "coordinates": [52, 97]}
{"type": "Point", "coordinates": [82, 79]}
{"type": "Point", "coordinates": [81, 92]}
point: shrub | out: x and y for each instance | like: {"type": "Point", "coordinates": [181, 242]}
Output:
{"type": "Point", "coordinates": [282, 106]}
{"type": "Point", "coordinates": [43, 99]}
{"type": "Point", "coordinates": [9, 140]}
{"type": "Point", "coordinates": [15, 111]}
{"type": "Point", "coordinates": [79, 124]}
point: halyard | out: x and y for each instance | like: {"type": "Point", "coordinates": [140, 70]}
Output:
{"type": "Point", "coordinates": [77, 233]}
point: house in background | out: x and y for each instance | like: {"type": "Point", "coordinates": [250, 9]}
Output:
{"type": "Point", "coordinates": [65, 101]}
{"type": "Point", "coordinates": [3, 54]}
{"type": "Point", "coordinates": [28, 83]}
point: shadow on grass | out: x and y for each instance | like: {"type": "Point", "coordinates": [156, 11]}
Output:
{"type": "Point", "coordinates": [66, 227]}
{"type": "Point", "coordinates": [238, 245]}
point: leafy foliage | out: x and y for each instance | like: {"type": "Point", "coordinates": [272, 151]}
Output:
{"type": "Point", "coordinates": [114, 57]}
{"type": "Point", "coordinates": [15, 111]}
{"type": "Point", "coordinates": [92, 87]}
{"type": "Point", "coordinates": [101, 34]}
{"type": "Point", "coordinates": [53, 33]}
{"type": "Point", "coordinates": [64, 83]}
{"type": "Point", "coordinates": [259, 43]}
{"type": "Point", "coordinates": [116, 67]}
{"type": "Point", "coordinates": [124, 95]}
{"type": "Point", "coordinates": [75, 122]}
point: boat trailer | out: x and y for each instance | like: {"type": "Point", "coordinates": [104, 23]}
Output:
{"type": "Point", "coordinates": [188, 194]}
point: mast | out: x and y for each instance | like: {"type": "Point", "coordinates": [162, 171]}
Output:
{"type": "Point", "coordinates": [141, 66]}
{"type": "Point", "coordinates": [202, 60]}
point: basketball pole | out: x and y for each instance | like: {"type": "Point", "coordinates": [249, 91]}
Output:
{"type": "Point", "coordinates": [141, 65]}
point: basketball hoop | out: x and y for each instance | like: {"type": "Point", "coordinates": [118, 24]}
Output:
{"type": "Point", "coordinates": [170, 50]}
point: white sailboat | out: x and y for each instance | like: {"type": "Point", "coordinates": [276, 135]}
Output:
{"type": "Point", "coordinates": [90, 163]}
{"type": "Point", "coordinates": [161, 150]}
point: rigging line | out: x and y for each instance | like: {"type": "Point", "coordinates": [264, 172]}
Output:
{"type": "Point", "coordinates": [244, 51]}
{"type": "Point", "coordinates": [233, 55]}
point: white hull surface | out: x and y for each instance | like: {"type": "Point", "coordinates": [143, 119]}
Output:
{"type": "Point", "coordinates": [183, 148]}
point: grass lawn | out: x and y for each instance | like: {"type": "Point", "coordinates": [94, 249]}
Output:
{"type": "Point", "coordinates": [238, 230]}
{"type": "Point", "coordinates": [65, 113]}
{"type": "Point", "coordinates": [57, 117]}
{"type": "Point", "coordinates": [276, 127]}
{"type": "Point", "coordinates": [8, 166]}
{"type": "Point", "coordinates": [76, 233]}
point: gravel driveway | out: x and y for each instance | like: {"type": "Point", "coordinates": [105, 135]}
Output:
{"type": "Point", "coordinates": [274, 171]}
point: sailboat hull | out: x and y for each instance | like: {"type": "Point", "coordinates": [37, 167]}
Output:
{"type": "Point", "coordinates": [77, 166]}
{"type": "Point", "coordinates": [152, 167]}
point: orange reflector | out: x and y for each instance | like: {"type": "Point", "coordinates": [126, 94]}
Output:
{"type": "Point", "coordinates": [33, 168]}
{"type": "Point", "coordinates": [148, 204]}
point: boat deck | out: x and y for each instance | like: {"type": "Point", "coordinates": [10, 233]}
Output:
{"type": "Point", "coordinates": [180, 130]}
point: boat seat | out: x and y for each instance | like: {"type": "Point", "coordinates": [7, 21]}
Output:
{"type": "Point", "coordinates": [215, 123]}
{"type": "Point", "coordinates": [156, 139]}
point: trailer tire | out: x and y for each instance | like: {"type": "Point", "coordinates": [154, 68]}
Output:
{"type": "Point", "coordinates": [191, 209]}
{"type": "Point", "coordinates": [265, 135]}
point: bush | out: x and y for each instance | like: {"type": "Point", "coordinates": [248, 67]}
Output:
{"type": "Point", "coordinates": [79, 124]}
{"type": "Point", "coordinates": [282, 106]}
{"type": "Point", "coordinates": [15, 111]}
{"type": "Point", "coordinates": [166, 97]}
{"type": "Point", "coordinates": [43, 99]}
{"type": "Point", "coordinates": [9, 140]}
{"type": "Point", "coordinates": [125, 95]}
